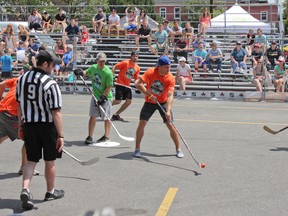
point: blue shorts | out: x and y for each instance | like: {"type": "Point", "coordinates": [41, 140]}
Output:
{"type": "Point", "coordinates": [199, 60]}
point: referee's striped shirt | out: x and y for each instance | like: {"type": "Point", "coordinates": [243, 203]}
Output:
{"type": "Point", "coordinates": [37, 94]}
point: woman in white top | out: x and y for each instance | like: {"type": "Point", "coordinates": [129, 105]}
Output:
{"type": "Point", "coordinates": [259, 73]}
{"type": "Point", "coordinates": [183, 73]}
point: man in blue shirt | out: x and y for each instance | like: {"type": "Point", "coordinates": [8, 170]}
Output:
{"type": "Point", "coordinates": [238, 58]}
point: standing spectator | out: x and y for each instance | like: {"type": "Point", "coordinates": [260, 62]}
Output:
{"type": "Point", "coordinates": [46, 22]}
{"type": "Point", "coordinates": [131, 21]}
{"type": "Point", "coordinates": [280, 71]}
{"type": "Point", "coordinates": [41, 124]}
{"type": "Point", "coordinates": [161, 41]}
{"type": "Point", "coordinates": [102, 83]}
{"type": "Point", "coordinates": [128, 70]}
{"type": "Point", "coordinates": [272, 54]}
{"type": "Point", "coordinates": [99, 21]}
{"type": "Point", "coordinates": [72, 32]}
{"type": "Point", "coordinates": [200, 55]}
{"type": "Point", "coordinates": [188, 32]}
{"type": "Point", "coordinates": [34, 20]}
{"type": "Point", "coordinates": [6, 62]}
{"type": "Point", "coordinates": [181, 48]}
{"type": "Point", "coordinates": [60, 20]}
{"type": "Point", "coordinates": [23, 35]}
{"type": "Point", "coordinates": [183, 74]}
{"type": "Point", "coordinates": [250, 41]}
{"type": "Point", "coordinates": [143, 34]}
{"type": "Point", "coordinates": [259, 73]}
{"type": "Point", "coordinates": [256, 54]}
{"type": "Point", "coordinates": [160, 85]}
{"type": "Point", "coordinates": [142, 17]}
{"type": "Point", "coordinates": [238, 58]}
{"type": "Point", "coordinates": [114, 21]}
{"type": "Point", "coordinates": [176, 32]}
{"type": "Point", "coordinates": [60, 48]}
{"type": "Point", "coordinates": [84, 35]}
{"type": "Point", "coordinates": [261, 39]}
{"type": "Point", "coordinates": [205, 21]}
{"type": "Point", "coordinates": [214, 56]}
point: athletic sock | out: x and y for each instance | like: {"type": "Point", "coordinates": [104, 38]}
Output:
{"type": "Point", "coordinates": [51, 192]}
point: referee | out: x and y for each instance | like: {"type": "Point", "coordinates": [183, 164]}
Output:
{"type": "Point", "coordinates": [40, 120]}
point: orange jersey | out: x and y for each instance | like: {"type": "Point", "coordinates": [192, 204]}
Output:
{"type": "Point", "coordinates": [127, 71]}
{"type": "Point", "coordinates": [158, 85]}
{"type": "Point", "coordinates": [9, 102]}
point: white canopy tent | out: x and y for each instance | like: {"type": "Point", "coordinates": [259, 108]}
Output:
{"type": "Point", "coordinates": [237, 20]}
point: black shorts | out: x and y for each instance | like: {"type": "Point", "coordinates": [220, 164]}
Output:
{"type": "Point", "coordinates": [148, 110]}
{"type": "Point", "coordinates": [38, 136]}
{"type": "Point", "coordinates": [143, 40]}
{"type": "Point", "coordinates": [6, 74]}
{"type": "Point", "coordinates": [122, 92]}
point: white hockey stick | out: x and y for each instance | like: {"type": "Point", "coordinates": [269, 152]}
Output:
{"type": "Point", "coordinates": [84, 163]}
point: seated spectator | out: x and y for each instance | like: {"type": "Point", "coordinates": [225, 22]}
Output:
{"type": "Point", "coordinates": [60, 20]}
{"type": "Point", "coordinates": [197, 41]}
{"type": "Point", "coordinates": [259, 74]}
{"type": "Point", "coordinates": [60, 48]}
{"type": "Point", "coordinates": [180, 49]}
{"type": "Point", "coordinates": [34, 20]}
{"type": "Point", "coordinates": [176, 32]}
{"type": "Point", "coordinates": [250, 42]}
{"type": "Point", "coordinates": [168, 30]}
{"type": "Point", "coordinates": [84, 35]}
{"type": "Point", "coordinates": [272, 54]}
{"type": "Point", "coordinates": [8, 38]}
{"type": "Point", "coordinates": [261, 39]}
{"type": "Point", "coordinates": [46, 22]}
{"type": "Point", "coordinates": [256, 54]}
{"type": "Point", "coordinates": [114, 21]}
{"type": "Point", "coordinates": [69, 59]}
{"type": "Point", "coordinates": [131, 21]}
{"type": "Point", "coordinates": [161, 41]}
{"type": "Point", "coordinates": [280, 71]}
{"type": "Point", "coordinates": [99, 21]}
{"type": "Point", "coordinates": [205, 21]}
{"type": "Point", "coordinates": [141, 17]}
{"type": "Point", "coordinates": [238, 58]}
{"type": "Point", "coordinates": [72, 32]}
{"type": "Point", "coordinates": [23, 35]}
{"type": "Point", "coordinates": [200, 55]}
{"type": "Point", "coordinates": [143, 34]}
{"type": "Point", "coordinates": [188, 32]}
{"type": "Point", "coordinates": [7, 62]}
{"type": "Point", "coordinates": [10, 43]}
{"type": "Point", "coordinates": [214, 56]}
{"type": "Point", "coordinates": [183, 74]}
{"type": "Point", "coordinates": [33, 49]}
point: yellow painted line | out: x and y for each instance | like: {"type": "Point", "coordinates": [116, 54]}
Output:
{"type": "Point", "coordinates": [167, 201]}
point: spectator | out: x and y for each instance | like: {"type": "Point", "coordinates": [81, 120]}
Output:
{"type": "Point", "coordinates": [176, 32]}
{"type": "Point", "coordinates": [143, 34]}
{"type": "Point", "coordinates": [60, 48]}
{"type": "Point", "coordinates": [84, 35]}
{"type": "Point", "coordinates": [197, 41]}
{"type": "Point", "coordinates": [180, 49]}
{"type": "Point", "coordinates": [261, 39]}
{"type": "Point", "coordinates": [7, 62]}
{"type": "Point", "coordinates": [250, 42]}
{"type": "Point", "coordinates": [141, 17]}
{"type": "Point", "coordinates": [34, 20]}
{"type": "Point", "coordinates": [259, 73]}
{"type": "Point", "coordinates": [114, 21]}
{"type": "Point", "coordinates": [10, 42]}
{"type": "Point", "coordinates": [214, 56]}
{"type": "Point", "coordinates": [131, 21]}
{"type": "Point", "coordinates": [200, 55]}
{"type": "Point", "coordinates": [238, 58]}
{"type": "Point", "coordinates": [23, 35]}
{"type": "Point", "coordinates": [168, 30]}
{"type": "Point", "coordinates": [205, 21]}
{"type": "Point", "coordinates": [161, 41]}
{"type": "Point", "coordinates": [71, 32]}
{"type": "Point", "coordinates": [272, 54]}
{"type": "Point", "coordinates": [280, 71]}
{"type": "Point", "coordinates": [8, 38]}
{"type": "Point", "coordinates": [188, 32]}
{"type": "Point", "coordinates": [60, 20]}
{"type": "Point", "coordinates": [46, 22]}
{"type": "Point", "coordinates": [99, 21]}
{"type": "Point", "coordinates": [256, 54]}
{"type": "Point", "coordinates": [183, 74]}
{"type": "Point", "coordinates": [33, 50]}
{"type": "Point", "coordinates": [69, 59]}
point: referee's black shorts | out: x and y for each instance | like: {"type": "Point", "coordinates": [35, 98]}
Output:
{"type": "Point", "coordinates": [148, 110]}
{"type": "Point", "coordinates": [122, 92]}
{"type": "Point", "coordinates": [38, 136]}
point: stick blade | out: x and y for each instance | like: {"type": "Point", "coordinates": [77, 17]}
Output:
{"type": "Point", "coordinates": [269, 130]}
{"type": "Point", "coordinates": [130, 139]}
{"type": "Point", "coordinates": [90, 162]}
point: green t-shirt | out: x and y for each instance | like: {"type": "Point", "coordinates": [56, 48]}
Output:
{"type": "Point", "coordinates": [101, 79]}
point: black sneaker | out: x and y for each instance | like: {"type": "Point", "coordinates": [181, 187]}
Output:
{"type": "Point", "coordinates": [117, 118]}
{"type": "Point", "coordinates": [103, 139]}
{"type": "Point", "coordinates": [26, 198]}
{"type": "Point", "coordinates": [89, 140]}
{"type": "Point", "coordinates": [56, 195]}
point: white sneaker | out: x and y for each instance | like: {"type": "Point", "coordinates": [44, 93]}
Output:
{"type": "Point", "coordinates": [179, 153]}
{"type": "Point", "coordinates": [137, 153]}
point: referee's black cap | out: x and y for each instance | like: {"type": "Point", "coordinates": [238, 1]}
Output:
{"type": "Point", "coordinates": [48, 57]}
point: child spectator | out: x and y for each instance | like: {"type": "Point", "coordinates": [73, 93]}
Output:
{"type": "Point", "coordinates": [7, 62]}
{"type": "Point", "coordinates": [183, 74]}
{"type": "Point", "coordinates": [214, 56]}
{"type": "Point", "coordinates": [200, 55]}
{"type": "Point", "coordinates": [84, 35]}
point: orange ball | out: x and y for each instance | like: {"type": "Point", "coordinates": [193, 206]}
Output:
{"type": "Point", "coordinates": [202, 165]}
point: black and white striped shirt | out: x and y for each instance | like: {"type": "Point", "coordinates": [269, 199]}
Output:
{"type": "Point", "coordinates": [37, 94]}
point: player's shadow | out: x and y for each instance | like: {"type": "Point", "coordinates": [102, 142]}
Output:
{"type": "Point", "coordinates": [15, 205]}
{"type": "Point", "coordinates": [279, 149]}
{"type": "Point", "coordinates": [74, 143]}
{"type": "Point", "coordinates": [8, 175]}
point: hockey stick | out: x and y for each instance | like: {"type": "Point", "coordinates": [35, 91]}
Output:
{"type": "Point", "coordinates": [92, 94]}
{"type": "Point", "coordinates": [269, 130]}
{"type": "Point", "coordinates": [84, 163]}
{"type": "Point", "coordinates": [201, 165]}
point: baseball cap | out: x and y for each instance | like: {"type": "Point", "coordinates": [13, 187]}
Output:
{"type": "Point", "coordinates": [48, 57]}
{"type": "Point", "coordinates": [163, 60]}
{"type": "Point", "coordinates": [281, 59]}
{"type": "Point", "coordinates": [182, 59]}
{"type": "Point", "coordinates": [101, 56]}
{"type": "Point", "coordinates": [134, 53]}
{"type": "Point", "coordinates": [238, 42]}
{"type": "Point", "coordinates": [70, 46]}
{"type": "Point", "coordinates": [257, 45]}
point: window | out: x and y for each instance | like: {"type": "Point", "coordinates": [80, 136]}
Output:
{"type": "Point", "coordinates": [264, 16]}
{"type": "Point", "coordinates": [163, 13]}
{"type": "Point", "coordinates": [177, 13]}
